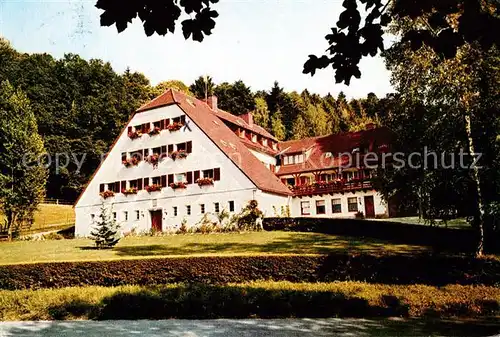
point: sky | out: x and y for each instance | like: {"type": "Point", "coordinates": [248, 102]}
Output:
{"type": "Point", "coordinates": [257, 41]}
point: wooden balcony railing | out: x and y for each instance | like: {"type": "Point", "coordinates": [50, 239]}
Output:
{"type": "Point", "coordinates": [331, 187]}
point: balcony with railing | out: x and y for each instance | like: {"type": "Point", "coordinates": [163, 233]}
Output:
{"type": "Point", "coordinates": [334, 186]}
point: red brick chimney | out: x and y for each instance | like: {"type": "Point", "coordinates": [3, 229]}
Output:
{"type": "Point", "coordinates": [248, 118]}
{"type": "Point", "coordinates": [212, 102]}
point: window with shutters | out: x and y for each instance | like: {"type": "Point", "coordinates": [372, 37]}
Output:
{"type": "Point", "coordinates": [156, 180]}
{"type": "Point", "coordinates": [139, 184]}
{"type": "Point", "coordinates": [130, 129]}
{"type": "Point", "coordinates": [170, 148]}
{"type": "Point", "coordinates": [202, 208]}
{"type": "Point", "coordinates": [102, 187]}
{"type": "Point", "coordinates": [163, 181]}
{"type": "Point", "coordinates": [216, 207]}
{"type": "Point", "coordinates": [231, 206]}
{"type": "Point", "coordinates": [196, 175]}
{"type": "Point", "coordinates": [336, 206]}
{"type": "Point", "coordinates": [137, 215]}
{"type": "Point", "coordinates": [157, 124]}
{"type": "Point", "coordinates": [157, 150]}
{"type": "Point", "coordinates": [208, 174]}
{"type": "Point", "coordinates": [180, 178]}
{"type": "Point", "coordinates": [175, 210]}
{"type": "Point", "coordinates": [352, 204]}
{"type": "Point", "coordinates": [216, 174]}
{"type": "Point", "coordinates": [124, 156]}
{"type": "Point", "coordinates": [320, 207]}
{"type": "Point", "coordinates": [124, 185]}
{"type": "Point", "coordinates": [146, 181]}
{"type": "Point", "coordinates": [189, 177]}
{"type": "Point", "coordinates": [133, 183]}
{"type": "Point", "coordinates": [181, 147]}
{"type": "Point", "coordinates": [170, 179]}
{"type": "Point", "coordinates": [183, 119]}
{"type": "Point", "coordinates": [188, 209]}
{"type": "Point", "coordinates": [176, 120]}
{"type": "Point", "coordinates": [163, 151]}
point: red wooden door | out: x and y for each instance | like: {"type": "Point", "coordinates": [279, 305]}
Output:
{"type": "Point", "coordinates": [156, 220]}
{"type": "Point", "coordinates": [369, 207]}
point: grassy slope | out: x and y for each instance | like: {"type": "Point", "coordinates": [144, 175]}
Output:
{"type": "Point", "coordinates": [256, 299]}
{"type": "Point", "coordinates": [195, 244]}
{"type": "Point", "coordinates": [51, 217]}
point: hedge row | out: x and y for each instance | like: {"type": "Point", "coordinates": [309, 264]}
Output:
{"type": "Point", "coordinates": [389, 269]}
{"type": "Point", "coordinates": [261, 299]}
{"type": "Point", "coordinates": [461, 240]}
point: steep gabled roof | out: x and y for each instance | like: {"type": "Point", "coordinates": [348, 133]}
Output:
{"type": "Point", "coordinates": [239, 121]}
{"type": "Point", "coordinates": [164, 99]}
{"type": "Point", "coordinates": [225, 139]}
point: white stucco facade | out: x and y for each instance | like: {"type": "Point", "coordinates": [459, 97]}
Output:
{"type": "Point", "coordinates": [234, 189]}
{"type": "Point", "coordinates": [380, 205]}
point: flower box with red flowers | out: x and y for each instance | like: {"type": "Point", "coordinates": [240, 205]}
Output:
{"type": "Point", "coordinates": [155, 131]}
{"type": "Point", "coordinates": [131, 162]}
{"type": "Point", "coordinates": [175, 186]}
{"type": "Point", "coordinates": [134, 134]}
{"type": "Point", "coordinates": [153, 159]}
{"type": "Point", "coordinates": [204, 181]}
{"type": "Point", "coordinates": [128, 191]}
{"type": "Point", "coordinates": [153, 188]}
{"type": "Point", "coordinates": [178, 154]}
{"type": "Point", "coordinates": [174, 126]}
{"type": "Point", "coordinates": [107, 194]}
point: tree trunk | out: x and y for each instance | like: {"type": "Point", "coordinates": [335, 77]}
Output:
{"type": "Point", "coordinates": [479, 217]}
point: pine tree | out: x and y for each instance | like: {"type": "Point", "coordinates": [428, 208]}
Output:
{"type": "Point", "coordinates": [22, 178]}
{"type": "Point", "coordinates": [261, 113]}
{"type": "Point", "coordinates": [105, 232]}
{"type": "Point", "coordinates": [277, 127]}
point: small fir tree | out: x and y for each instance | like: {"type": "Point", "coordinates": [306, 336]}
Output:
{"type": "Point", "coordinates": [105, 232]}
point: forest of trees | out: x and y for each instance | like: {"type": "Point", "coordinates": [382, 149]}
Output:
{"type": "Point", "coordinates": [81, 106]}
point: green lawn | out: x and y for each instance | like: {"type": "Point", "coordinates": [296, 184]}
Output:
{"type": "Point", "coordinates": [249, 243]}
{"type": "Point", "coordinates": [50, 217]}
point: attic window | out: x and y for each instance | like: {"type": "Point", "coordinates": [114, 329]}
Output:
{"type": "Point", "coordinates": [254, 138]}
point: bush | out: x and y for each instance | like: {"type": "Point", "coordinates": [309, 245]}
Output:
{"type": "Point", "coordinates": [260, 299]}
{"type": "Point", "coordinates": [388, 269]}
{"type": "Point", "coordinates": [52, 236]}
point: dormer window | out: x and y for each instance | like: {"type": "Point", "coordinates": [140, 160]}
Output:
{"type": "Point", "coordinates": [293, 159]}
{"type": "Point", "coordinates": [264, 141]}
{"type": "Point", "coordinates": [254, 138]}
{"type": "Point", "coordinates": [275, 146]}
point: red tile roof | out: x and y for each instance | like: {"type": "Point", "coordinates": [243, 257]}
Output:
{"type": "Point", "coordinates": [241, 123]}
{"type": "Point", "coordinates": [225, 139]}
{"type": "Point", "coordinates": [335, 144]}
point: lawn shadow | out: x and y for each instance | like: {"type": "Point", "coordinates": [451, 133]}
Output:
{"type": "Point", "coordinates": [208, 302]}
{"type": "Point", "coordinates": [297, 243]}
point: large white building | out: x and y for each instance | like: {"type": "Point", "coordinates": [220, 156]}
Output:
{"type": "Point", "coordinates": [179, 158]}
